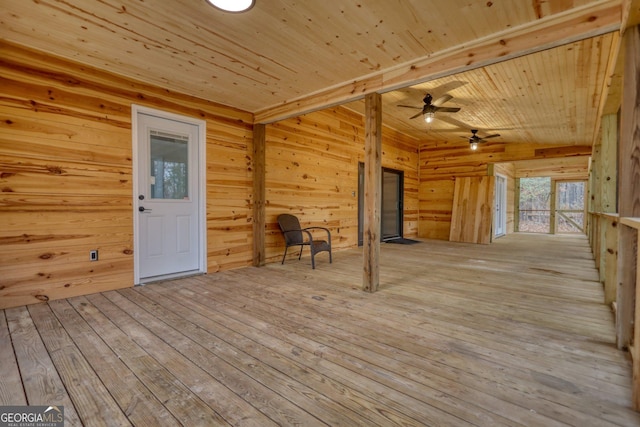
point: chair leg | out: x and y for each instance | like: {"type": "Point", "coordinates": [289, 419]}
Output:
{"type": "Point", "coordinates": [330, 257]}
{"type": "Point", "coordinates": [285, 253]}
{"type": "Point", "coordinates": [301, 248]}
{"type": "Point", "coordinates": [313, 260]}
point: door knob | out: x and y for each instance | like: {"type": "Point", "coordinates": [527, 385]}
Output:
{"type": "Point", "coordinates": [141, 208]}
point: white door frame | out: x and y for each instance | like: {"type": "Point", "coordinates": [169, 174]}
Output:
{"type": "Point", "coordinates": [201, 186]}
{"type": "Point", "coordinates": [503, 204]}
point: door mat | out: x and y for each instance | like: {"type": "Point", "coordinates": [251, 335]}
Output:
{"type": "Point", "coordinates": [402, 241]}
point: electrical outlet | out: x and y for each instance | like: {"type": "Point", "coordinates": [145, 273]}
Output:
{"type": "Point", "coordinates": [93, 255]}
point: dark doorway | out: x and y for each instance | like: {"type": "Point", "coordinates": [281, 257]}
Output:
{"type": "Point", "coordinates": [392, 203]}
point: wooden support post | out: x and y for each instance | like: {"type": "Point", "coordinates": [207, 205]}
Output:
{"type": "Point", "coordinates": [259, 194]}
{"type": "Point", "coordinates": [629, 204]}
{"type": "Point", "coordinates": [636, 334]}
{"type": "Point", "coordinates": [606, 194]}
{"type": "Point", "coordinates": [372, 191]}
{"type": "Point", "coordinates": [608, 164]}
{"type": "Point", "coordinates": [628, 188]}
{"type": "Point", "coordinates": [600, 227]}
{"type": "Point", "coordinates": [516, 210]}
{"type": "Point", "coordinates": [626, 296]}
{"type": "Point", "coordinates": [594, 203]}
{"type": "Point", "coordinates": [552, 208]}
{"type": "Point", "coordinates": [610, 244]}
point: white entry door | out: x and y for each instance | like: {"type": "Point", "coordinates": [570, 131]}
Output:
{"type": "Point", "coordinates": [167, 203]}
{"type": "Point", "coordinates": [500, 214]}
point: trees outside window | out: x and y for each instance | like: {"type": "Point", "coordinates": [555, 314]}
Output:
{"type": "Point", "coordinates": [535, 205]}
{"type": "Point", "coordinates": [570, 207]}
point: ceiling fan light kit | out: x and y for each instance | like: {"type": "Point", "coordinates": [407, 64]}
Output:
{"type": "Point", "coordinates": [474, 139]}
{"type": "Point", "coordinates": [431, 107]}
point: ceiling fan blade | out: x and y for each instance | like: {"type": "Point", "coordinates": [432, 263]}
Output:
{"type": "Point", "coordinates": [444, 98]}
{"type": "Point", "coordinates": [417, 115]}
{"type": "Point", "coordinates": [410, 106]}
{"type": "Point", "coordinates": [454, 122]}
{"type": "Point", "coordinates": [448, 109]}
{"type": "Point", "coordinates": [491, 136]}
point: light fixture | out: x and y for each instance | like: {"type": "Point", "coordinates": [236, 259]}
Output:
{"type": "Point", "coordinates": [234, 6]}
{"type": "Point", "coordinates": [473, 146]}
{"type": "Point", "coordinates": [429, 117]}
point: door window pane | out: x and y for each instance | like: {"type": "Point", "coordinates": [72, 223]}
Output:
{"type": "Point", "coordinates": [169, 167]}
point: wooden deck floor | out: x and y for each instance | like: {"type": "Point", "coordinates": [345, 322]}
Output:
{"type": "Point", "coordinates": [514, 333]}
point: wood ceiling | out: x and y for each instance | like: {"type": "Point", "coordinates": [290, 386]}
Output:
{"type": "Point", "coordinates": [531, 70]}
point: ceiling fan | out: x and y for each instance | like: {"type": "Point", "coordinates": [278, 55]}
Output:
{"type": "Point", "coordinates": [430, 107]}
{"type": "Point", "coordinates": [474, 139]}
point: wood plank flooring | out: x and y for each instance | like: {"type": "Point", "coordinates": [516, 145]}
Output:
{"type": "Point", "coordinates": [509, 334]}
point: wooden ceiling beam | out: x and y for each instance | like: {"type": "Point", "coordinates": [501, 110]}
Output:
{"type": "Point", "coordinates": [546, 33]}
{"type": "Point", "coordinates": [612, 90]}
{"type": "Point", "coordinates": [630, 13]}
{"type": "Point", "coordinates": [613, 83]}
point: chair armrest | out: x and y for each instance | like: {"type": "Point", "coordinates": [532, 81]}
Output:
{"type": "Point", "coordinates": [304, 231]}
{"type": "Point", "coordinates": [321, 228]}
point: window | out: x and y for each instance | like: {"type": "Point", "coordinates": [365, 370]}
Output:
{"type": "Point", "coordinates": [169, 166]}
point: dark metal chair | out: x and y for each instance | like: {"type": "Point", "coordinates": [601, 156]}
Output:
{"type": "Point", "coordinates": [294, 235]}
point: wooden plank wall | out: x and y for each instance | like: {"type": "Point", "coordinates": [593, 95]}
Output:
{"type": "Point", "coordinates": [569, 168]}
{"type": "Point", "coordinates": [66, 177]}
{"type": "Point", "coordinates": [471, 218]}
{"type": "Point", "coordinates": [441, 163]}
{"type": "Point", "coordinates": [312, 172]}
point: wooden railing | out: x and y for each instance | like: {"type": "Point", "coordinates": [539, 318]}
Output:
{"type": "Point", "coordinates": [632, 256]}
{"type": "Point", "coordinates": [603, 235]}
{"type": "Point", "coordinates": [614, 242]}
